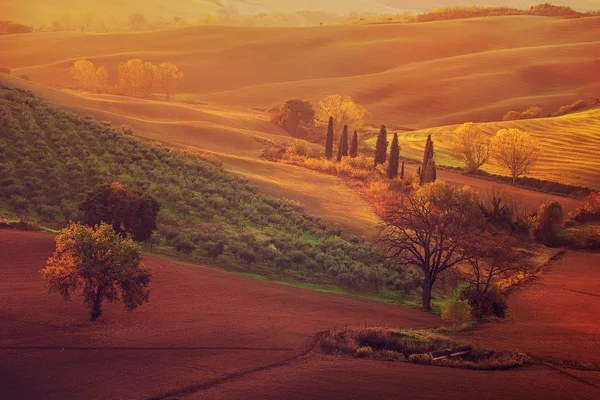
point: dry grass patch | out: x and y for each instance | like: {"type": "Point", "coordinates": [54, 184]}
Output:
{"type": "Point", "coordinates": [418, 347]}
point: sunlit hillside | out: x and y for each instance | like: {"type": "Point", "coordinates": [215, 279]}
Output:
{"type": "Point", "coordinates": [235, 137]}
{"type": "Point", "coordinates": [416, 75]}
{"type": "Point", "coordinates": [571, 151]}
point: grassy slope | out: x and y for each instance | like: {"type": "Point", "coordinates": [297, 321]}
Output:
{"type": "Point", "coordinates": [50, 158]}
{"type": "Point", "coordinates": [571, 146]}
{"type": "Point", "coordinates": [229, 134]}
{"type": "Point", "coordinates": [419, 75]}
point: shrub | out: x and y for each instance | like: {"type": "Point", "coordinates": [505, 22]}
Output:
{"type": "Point", "coordinates": [456, 312]}
{"type": "Point", "coordinates": [24, 77]}
{"type": "Point", "coordinates": [548, 220]}
{"type": "Point", "coordinates": [185, 246]}
{"type": "Point", "coordinates": [364, 352]}
{"type": "Point", "coordinates": [299, 148]}
{"type": "Point", "coordinates": [569, 108]}
{"type": "Point", "coordinates": [483, 304]}
{"type": "Point", "coordinates": [425, 359]}
{"type": "Point", "coordinates": [4, 70]}
{"type": "Point", "coordinates": [588, 210]}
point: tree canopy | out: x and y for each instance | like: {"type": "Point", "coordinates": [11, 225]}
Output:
{"type": "Point", "coordinates": [516, 150]}
{"type": "Point", "coordinates": [431, 229]}
{"type": "Point", "coordinates": [104, 265]}
{"type": "Point", "coordinates": [471, 146]}
{"type": "Point", "coordinates": [344, 110]}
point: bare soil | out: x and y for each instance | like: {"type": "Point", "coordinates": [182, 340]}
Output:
{"type": "Point", "coordinates": [211, 334]}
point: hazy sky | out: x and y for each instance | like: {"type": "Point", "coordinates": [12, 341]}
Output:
{"type": "Point", "coordinates": [29, 10]}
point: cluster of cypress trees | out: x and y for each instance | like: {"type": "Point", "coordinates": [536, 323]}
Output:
{"type": "Point", "coordinates": [427, 172]}
{"type": "Point", "coordinates": [343, 150]}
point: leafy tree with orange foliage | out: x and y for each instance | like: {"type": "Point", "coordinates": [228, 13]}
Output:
{"type": "Point", "coordinates": [136, 76]}
{"type": "Point", "coordinates": [344, 110]}
{"type": "Point", "coordinates": [516, 150]}
{"type": "Point", "coordinates": [471, 146]}
{"type": "Point", "coordinates": [169, 77]}
{"type": "Point", "coordinates": [88, 77]}
{"type": "Point", "coordinates": [99, 262]}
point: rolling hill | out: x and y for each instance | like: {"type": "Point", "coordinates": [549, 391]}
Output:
{"type": "Point", "coordinates": [416, 75]}
{"type": "Point", "coordinates": [571, 146]}
{"type": "Point", "coordinates": [231, 135]}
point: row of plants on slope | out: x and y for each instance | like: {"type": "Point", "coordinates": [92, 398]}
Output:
{"type": "Point", "coordinates": [52, 161]}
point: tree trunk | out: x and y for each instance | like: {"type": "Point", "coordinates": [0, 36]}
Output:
{"type": "Point", "coordinates": [97, 305]}
{"type": "Point", "coordinates": [427, 285]}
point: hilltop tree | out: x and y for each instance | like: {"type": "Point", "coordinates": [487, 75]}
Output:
{"type": "Point", "coordinates": [516, 150]}
{"type": "Point", "coordinates": [394, 162]}
{"type": "Point", "coordinates": [344, 111]}
{"type": "Point", "coordinates": [127, 212]}
{"type": "Point", "coordinates": [354, 145]}
{"type": "Point", "coordinates": [343, 145]}
{"type": "Point", "coordinates": [99, 262]}
{"type": "Point", "coordinates": [329, 141]}
{"type": "Point", "coordinates": [428, 171]}
{"type": "Point", "coordinates": [169, 77]}
{"type": "Point", "coordinates": [471, 146]}
{"type": "Point", "coordinates": [381, 146]}
{"type": "Point", "coordinates": [432, 229]}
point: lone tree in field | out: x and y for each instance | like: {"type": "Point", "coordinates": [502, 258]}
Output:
{"type": "Point", "coordinates": [354, 145]}
{"type": "Point", "coordinates": [169, 77]}
{"type": "Point", "coordinates": [381, 146]}
{"type": "Point", "coordinates": [297, 117]}
{"type": "Point", "coordinates": [394, 162]}
{"type": "Point", "coordinates": [126, 211]}
{"type": "Point", "coordinates": [343, 145]}
{"type": "Point", "coordinates": [329, 141]}
{"type": "Point", "coordinates": [516, 150]}
{"type": "Point", "coordinates": [431, 229]}
{"type": "Point", "coordinates": [99, 262]}
{"type": "Point", "coordinates": [428, 172]}
{"type": "Point", "coordinates": [470, 146]}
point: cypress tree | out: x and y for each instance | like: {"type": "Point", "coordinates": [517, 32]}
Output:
{"type": "Point", "coordinates": [343, 145]}
{"type": "Point", "coordinates": [402, 171]}
{"type": "Point", "coordinates": [345, 142]}
{"type": "Point", "coordinates": [354, 146]}
{"type": "Point", "coordinates": [329, 141]}
{"type": "Point", "coordinates": [428, 172]}
{"type": "Point", "coordinates": [381, 146]}
{"type": "Point", "coordinates": [392, 170]}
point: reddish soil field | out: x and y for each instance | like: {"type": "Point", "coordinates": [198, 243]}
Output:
{"type": "Point", "coordinates": [212, 334]}
{"type": "Point", "coordinates": [556, 317]}
{"type": "Point", "coordinates": [200, 326]}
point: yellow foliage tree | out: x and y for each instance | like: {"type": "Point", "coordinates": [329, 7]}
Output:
{"type": "Point", "coordinates": [471, 146]}
{"type": "Point", "coordinates": [136, 76]}
{"type": "Point", "coordinates": [344, 111]}
{"type": "Point", "coordinates": [169, 77]}
{"type": "Point", "coordinates": [88, 77]}
{"type": "Point", "coordinates": [516, 150]}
